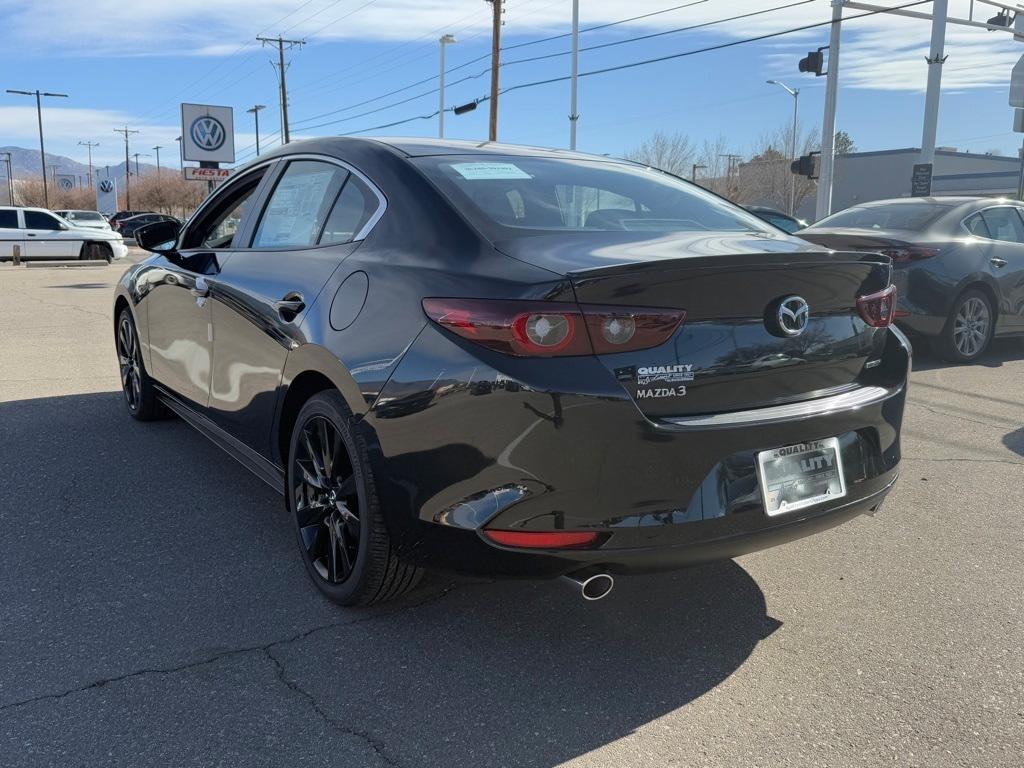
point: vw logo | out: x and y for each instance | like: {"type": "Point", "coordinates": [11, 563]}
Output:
{"type": "Point", "coordinates": [208, 133]}
{"type": "Point", "coordinates": [106, 186]}
{"type": "Point", "coordinates": [792, 316]}
{"type": "Point", "coordinates": [66, 184]}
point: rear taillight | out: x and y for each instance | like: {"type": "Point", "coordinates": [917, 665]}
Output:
{"type": "Point", "coordinates": [547, 329]}
{"type": "Point", "coordinates": [878, 309]}
{"type": "Point", "coordinates": [543, 539]}
{"type": "Point", "coordinates": [909, 253]}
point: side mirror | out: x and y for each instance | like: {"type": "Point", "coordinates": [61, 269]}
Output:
{"type": "Point", "coordinates": [64, 227]}
{"type": "Point", "coordinates": [158, 237]}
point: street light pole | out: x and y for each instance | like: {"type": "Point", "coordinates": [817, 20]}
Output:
{"type": "Point", "coordinates": [573, 87]}
{"type": "Point", "coordinates": [940, 9]}
{"type": "Point", "coordinates": [42, 149]}
{"type": "Point", "coordinates": [795, 93]}
{"type": "Point", "coordinates": [823, 205]}
{"type": "Point", "coordinates": [137, 155]}
{"type": "Point", "coordinates": [255, 112]}
{"type": "Point", "coordinates": [157, 150]}
{"type": "Point", "coordinates": [10, 179]}
{"type": "Point", "coordinates": [445, 40]}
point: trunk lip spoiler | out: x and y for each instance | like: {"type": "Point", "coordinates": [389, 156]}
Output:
{"type": "Point", "coordinates": [804, 409]}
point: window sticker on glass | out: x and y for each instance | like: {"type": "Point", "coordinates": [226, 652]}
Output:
{"type": "Point", "coordinates": [490, 171]}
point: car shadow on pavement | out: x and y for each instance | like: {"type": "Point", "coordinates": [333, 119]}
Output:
{"type": "Point", "coordinates": [135, 549]}
{"type": "Point", "coordinates": [1001, 351]}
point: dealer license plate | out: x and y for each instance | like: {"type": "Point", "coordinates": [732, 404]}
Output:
{"type": "Point", "coordinates": [800, 476]}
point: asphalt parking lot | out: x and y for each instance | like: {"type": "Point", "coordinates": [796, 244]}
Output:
{"type": "Point", "coordinates": [153, 610]}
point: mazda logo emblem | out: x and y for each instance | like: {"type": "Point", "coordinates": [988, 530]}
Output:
{"type": "Point", "coordinates": [208, 133]}
{"type": "Point", "coordinates": [792, 316]}
{"type": "Point", "coordinates": [106, 186]}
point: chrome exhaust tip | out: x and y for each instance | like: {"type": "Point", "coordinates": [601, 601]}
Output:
{"type": "Point", "coordinates": [592, 585]}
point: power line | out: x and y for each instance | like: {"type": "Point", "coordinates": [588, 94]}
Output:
{"type": "Point", "coordinates": [655, 60]}
{"type": "Point", "coordinates": [523, 61]}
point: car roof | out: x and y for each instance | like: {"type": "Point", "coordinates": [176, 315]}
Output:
{"type": "Point", "coordinates": [948, 202]}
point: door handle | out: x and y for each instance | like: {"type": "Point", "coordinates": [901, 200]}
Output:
{"type": "Point", "coordinates": [290, 305]}
{"type": "Point", "coordinates": [998, 263]}
{"type": "Point", "coordinates": [30, 234]}
{"type": "Point", "coordinates": [200, 290]}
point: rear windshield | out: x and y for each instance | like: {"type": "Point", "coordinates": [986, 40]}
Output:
{"type": "Point", "coordinates": [501, 193]}
{"type": "Point", "coordinates": [912, 216]}
{"type": "Point", "coordinates": [84, 216]}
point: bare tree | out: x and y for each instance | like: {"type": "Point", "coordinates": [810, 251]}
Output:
{"type": "Point", "coordinates": [767, 179]}
{"type": "Point", "coordinates": [668, 152]}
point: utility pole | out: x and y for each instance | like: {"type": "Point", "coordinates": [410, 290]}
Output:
{"type": "Point", "coordinates": [10, 177]}
{"type": "Point", "coordinates": [492, 130]}
{"type": "Point", "coordinates": [53, 172]}
{"type": "Point", "coordinates": [573, 88]}
{"type": "Point", "coordinates": [137, 155]}
{"type": "Point", "coordinates": [39, 114]}
{"type": "Point", "coordinates": [693, 171]}
{"type": "Point", "coordinates": [255, 112]}
{"type": "Point", "coordinates": [127, 168]}
{"type": "Point", "coordinates": [281, 43]}
{"type": "Point", "coordinates": [445, 41]}
{"type": "Point", "coordinates": [823, 205]}
{"type": "Point", "coordinates": [89, 145]}
{"type": "Point", "coordinates": [157, 150]}
{"type": "Point", "coordinates": [940, 9]}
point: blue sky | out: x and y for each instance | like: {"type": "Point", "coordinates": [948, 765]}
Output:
{"type": "Point", "coordinates": [135, 62]}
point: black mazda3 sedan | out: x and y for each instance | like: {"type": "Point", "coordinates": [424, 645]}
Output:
{"type": "Point", "coordinates": [515, 362]}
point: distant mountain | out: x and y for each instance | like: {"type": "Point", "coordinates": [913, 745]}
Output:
{"type": "Point", "coordinates": [25, 164]}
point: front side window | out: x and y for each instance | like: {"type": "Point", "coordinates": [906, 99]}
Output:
{"type": "Point", "coordinates": [217, 226]}
{"type": "Point", "coordinates": [40, 220]}
{"type": "Point", "coordinates": [300, 204]}
{"type": "Point", "coordinates": [8, 219]}
{"type": "Point", "coordinates": [975, 224]}
{"type": "Point", "coordinates": [503, 193]}
{"type": "Point", "coordinates": [1004, 223]}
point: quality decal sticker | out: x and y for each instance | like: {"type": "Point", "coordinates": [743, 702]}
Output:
{"type": "Point", "coordinates": [670, 378]}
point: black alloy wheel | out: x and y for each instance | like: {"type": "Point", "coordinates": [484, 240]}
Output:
{"type": "Point", "coordinates": [139, 394]}
{"type": "Point", "coordinates": [332, 497]}
{"type": "Point", "coordinates": [326, 502]}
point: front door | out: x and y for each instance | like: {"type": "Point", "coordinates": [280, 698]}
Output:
{"type": "Point", "coordinates": [179, 303]}
{"type": "Point", "coordinates": [261, 295]}
{"type": "Point", "coordinates": [46, 238]}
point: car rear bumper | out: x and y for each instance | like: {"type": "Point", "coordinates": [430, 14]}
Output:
{"type": "Point", "coordinates": [455, 457]}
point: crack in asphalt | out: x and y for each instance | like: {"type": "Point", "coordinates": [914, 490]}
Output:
{"type": "Point", "coordinates": [376, 744]}
{"type": "Point", "coordinates": [262, 648]}
{"type": "Point", "coordinates": [938, 412]}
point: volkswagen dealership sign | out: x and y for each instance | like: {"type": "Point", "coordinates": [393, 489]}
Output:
{"type": "Point", "coordinates": [207, 133]}
{"type": "Point", "coordinates": [106, 196]}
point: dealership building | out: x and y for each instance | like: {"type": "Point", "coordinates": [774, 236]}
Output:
{"type": "Point", "coordinates": [864, 176]}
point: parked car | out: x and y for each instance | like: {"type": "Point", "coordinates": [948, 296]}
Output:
{"type": "Point", "coordinates": [128, 227]}
{"type": "Point", "coordinates": [515, 362]}
{"type": "Point", "coordinates": [958, 264]}
{"type": "Point", "coordinates": [117, 218]}
{"type": "Point", "coordinates": [85, 219]}
{"type": "Point", "coordinates": [783, 221]}
{"type": "Point", "coordinates": [42, 235]}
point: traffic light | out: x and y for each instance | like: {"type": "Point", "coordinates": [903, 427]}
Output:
{"type": "Point", "coordinates": [814, 62]}
{"type": "Point", "coordinates": [807, 165]}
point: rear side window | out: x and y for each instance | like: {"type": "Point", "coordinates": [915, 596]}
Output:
{"type": "Point", "coordinates": [299, 206]}
{"type": "Point", "coordinates": [1004, 223]}
{"type": "Point", "coordinates": [8, 219]}
{"type": "Point", "coordinates": [353, 208]}
{"type": "Point", "coordinates": [542, 193]}
{"type": "Point", "coordinates": [911, 216]}
{"type": "Point", "coordinates": [40, 220]}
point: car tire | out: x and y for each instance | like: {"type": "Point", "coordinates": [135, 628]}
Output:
{"type": "Point", "coordinates": [969, 328]}
{"type": "Point", "coordinates": [332, 498]}
{"type": "Point", "coordinates": [136, 386]}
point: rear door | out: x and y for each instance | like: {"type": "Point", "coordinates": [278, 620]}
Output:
{"type": "Point", "coordinates": [1006, 259]}
{"type": "Point", "coordinates": [309, 223]}
{"type": "Point", "coordinates": [11, 233]}
{"type": "Point", "coordinates": [45, 239]}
